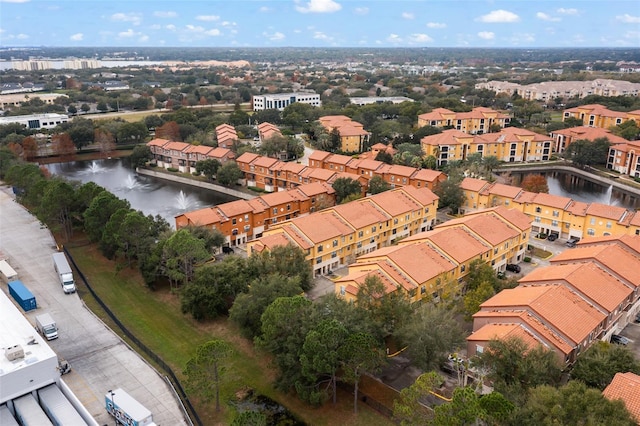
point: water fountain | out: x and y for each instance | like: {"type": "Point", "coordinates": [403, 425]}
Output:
{"type": "Point", "coordinates": [131, 182]}
{"type": "Point", "coordinates": [607, 195]}
{"type": "Point", "coordinates": [95, 168]}
{"type": "Point", "coordinates": [184, 201]}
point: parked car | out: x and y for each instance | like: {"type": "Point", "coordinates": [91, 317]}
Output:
{"type": "Point", "coordinates": [513, 268]}
{"type": "Point", "coordinates": [619, 340]}
{"type": "Point", "coordinates": [227, 250]}
{"type": "Point", "coordinates": [637, 320]}
{"type": "Point", "coordinates": [552, 237]}
{"type": "Point", "coordinates": [572, 242]}
{"type": "Point", "coordinates": [501, 275]}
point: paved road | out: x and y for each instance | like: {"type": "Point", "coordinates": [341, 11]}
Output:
{"type": "Point", "coordinates": [99, 359]}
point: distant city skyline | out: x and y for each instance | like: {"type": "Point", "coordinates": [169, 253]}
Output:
{"type": "Point", "coordinates": [320, 23]}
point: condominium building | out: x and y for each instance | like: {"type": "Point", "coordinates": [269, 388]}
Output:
{"type": "Point", "coordinates": [280, 101]}
{"type": "Point", "coordinates": [477, 121]}
{"type": "Point", "coordinates": [550, 90]}
{"type": "Point", "coordinates": [625, 158]}
{"type": "Point", "coordinates": [564, 137]}
{"type": "Point", "coordinates": [353, 137]}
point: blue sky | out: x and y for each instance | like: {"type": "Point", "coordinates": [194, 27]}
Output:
{"type": "Point", "coordinates": [321, 23]}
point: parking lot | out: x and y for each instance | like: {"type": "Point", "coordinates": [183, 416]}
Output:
{"type": "Point", "coordinates": [99, 359]}
{"type": "Point", "coordinates": [632, 332]}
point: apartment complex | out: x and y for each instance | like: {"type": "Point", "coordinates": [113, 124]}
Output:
{"type": "Point", "coordinates": [624, 158]}
{"type": "Point", "coordinates": [241, 221]}
{"type": "Point", "coordinates": [550, 90]}
{"type": "Point", "coordinates": [585, 295]}
{"type": "Point", "coordinates": [564, 137]}
{"type": "Point", "coordinates": [511, 144]}
{"type": "Point", "coordinates": [282, 100]}
{"type": "Point", "coordinates": [353, 137]}
{"type": "Point", "coordinates": [271, 174]}
{"type": "Point", "coordinates": [552, 214]}
{"type": "Point", "coordinates": [226, 135]}
{"type": "Point", "coordinates": [336, 236]}
{"type": "Point", "coordinates": [430, 264]}
{"type": "Point", "coordinates": [184, 156]}
{"type": "Point", "coordinates": [596, 115]}
{"type": "Point", "coordinates": [477, 121]}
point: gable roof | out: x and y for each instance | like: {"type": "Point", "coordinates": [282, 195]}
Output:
{"type": "Point", "coordinates": [626, 387]}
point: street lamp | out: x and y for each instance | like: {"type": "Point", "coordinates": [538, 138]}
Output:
{"type": "Point", "coordinates": [113, 405]}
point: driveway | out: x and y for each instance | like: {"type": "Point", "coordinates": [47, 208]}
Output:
{"type": "Point", "coordinates": [99, 359]}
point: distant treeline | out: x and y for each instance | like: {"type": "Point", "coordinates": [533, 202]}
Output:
{"type": "Point", "coordinates": [427, 55]}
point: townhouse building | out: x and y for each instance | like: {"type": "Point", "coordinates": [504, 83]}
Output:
{"type": "Point", "coordinates": [585, 295]}
{"type": "Point", "coordinates": [184, 156]}
{"type": "Point", "coordinates": [353, 137]}
{"type": "Point", "coordinates": [552, 214]}
{"type": "Point", "coordinates": [596, 115]}
{"type": "Point", "coordinates": [433, 263]}
{"type": "Point", "coordinates": [242, 221]}
{"type": "Point", "coordinates": [226, 135]}
{"type": "Point", "coordinates": [624, 158]}
{"type": "Point", "coordinates": [477, 121]}
{"type": "Point", "coordinates": [564, 137]}
{"type": "Point", "coordinates": [336, 236]}
{"type": "Point", "coordinates": [624, 387]}
{"type": "Point", "coordinates": [511, 144]}
{"type": "Point", "coordinates": [551, 90]}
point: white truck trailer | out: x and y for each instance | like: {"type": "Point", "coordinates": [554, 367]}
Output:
{"type": "Point", "coordinates": [126, 409]}
{"type": "Point", "coordinates": [7, 273]}
{"type": "Point", "coordinates": [6, 418]}
{"type": "Point", "coordinates": [65, 274]}
{"type": "Point", "coordinates": [58, 407]}
{"type": "Point", "coordinates": [29, 413]}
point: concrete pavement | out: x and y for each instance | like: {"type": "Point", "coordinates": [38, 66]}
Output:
{"type": "Point", "coordinates": [99, 359]}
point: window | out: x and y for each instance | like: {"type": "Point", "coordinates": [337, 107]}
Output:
{"type": "Point", "coordinates": [592, 221]}
{"type": "Point", "coordinates": [554, 223]}
{"type": "Point", "coordinates": [288, 206]}
{"type": "Point", "coordinates": [556, 213]}
{"type": "Point", "coordinates": [538, 210]}
{"type": "Point", "coordinates": [335, 243]}
{"type": "Point", "coordinates": [426, 210]}
{"type": "Point", "coordinates": [591, 232]}
{"type": "Point", "coordinates": [463, 268]}
{"type": "Point", "coordinates": [318, 260]}
{"type": "Point", "coordinates": [395, 221]}
{"type": "Point", "coordinates": [608, 225]}
{"type": "Point", "coordinates": [537, 219]}
{"type": "Point", "coordinates": [233, 221]}
{"type": "Point", "coordinates": [360, 234]}
{"type": "Point", "coordinates": [320, 248]}
{"type": "Point", "coordinates": [373, 229]}
{"type": "Point", "coordinates": [275, 210]}
{"type": "Point", "coordinates": [246, 228]}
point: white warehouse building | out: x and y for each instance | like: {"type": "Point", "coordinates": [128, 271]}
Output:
{"type": "Point", "coordinates": [280, 101]}
{"type": "Point", "coordinates": [36, 121]}
{"type": "Point", "coordinates": [28, 365]}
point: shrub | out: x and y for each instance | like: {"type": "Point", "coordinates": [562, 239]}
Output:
{"type": "Point", "coordinates": [172, 169]}
{"type": "Point", "coordinates": [527, 259]}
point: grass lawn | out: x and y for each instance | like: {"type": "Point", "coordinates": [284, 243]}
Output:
{"type": "Point", "coordinates": [155, 318]}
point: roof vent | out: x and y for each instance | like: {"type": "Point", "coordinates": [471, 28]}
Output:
{"type": "Point", "coordinates": [14, 352]}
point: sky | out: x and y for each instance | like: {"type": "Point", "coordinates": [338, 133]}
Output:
{"type": "Point", "coordinates": [321, 23]}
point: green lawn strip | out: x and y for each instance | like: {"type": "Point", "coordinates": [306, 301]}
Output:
{"type": "Point", "coordinates": [175, 337]}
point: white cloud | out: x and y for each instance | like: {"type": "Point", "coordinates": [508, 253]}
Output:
{"type": "Point", "coordinates": [165, 14]}
{"type": "Point", "coordinates": [318, 6]}
{"type": "Point", "coordinates": [634, 35]}
{"type": "Point", "coordinates": [319, 35]}
{"type": "Point", "coordinates": [22, 36]}
{"type": "Point", "coordinates": [128, 34]}
{"type": "Point", "coordinates": [228, 24]}
{"type": "Point", "coordinates": [143, 38]}
{"type": "Point", "coordinates": [264, 9]}
{"type": "Point", "coordinates": [499, 17]}
{"type": "Point", "coordinates": [564, 11]}
{"type": "Point", "coordinates": [277, 36]}
{"type": "Point", "coordinates": [14, 1]}
{"type": "Point", "coordinates": [134, 18]}
{"type": "Point", "coordinates": [420, 38]}
{"type": "Point", "coordinates": [436, 25]}
{"type": "Point", "coordinates": [486, 35]}
{"type": "Point", "coordinates": [407, 15]}
{"type": "Point", "coordinates": [361, 10]}
{"type": "Point", "coordinates": [77, 37]}
{"type": "Point", "coordinates": [207, 18]}
{"type": "Point", "coordinates": [628, 19]}
{"type": "Point", "coordinates": [2, 30]}
{"type": "Point", "coordinates": [394, 38]}
{"type": "Point", "coordinates": [171, 27]}
{"type": "Point", "coordinates": [214, 32]}
{"type": "Point", "coordinates": [543, 16]}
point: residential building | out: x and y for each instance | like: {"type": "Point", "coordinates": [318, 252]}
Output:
{"type": "Point", "coordinates": [564, 137]}
{"type": "Point", "coordinates": [552, 214]}
{"type": "Point", "coordinates": [242, 221]}
{"type": "Point", "coordinates": [282, 100]}
{"type": "Point", "coordinates": [450, 145]}
{"type": "Point", "coordinates": [433, 263]}
{"type": "Point", "coordinates": [625, 387]}
{"type": "Point", "coordinates": [596, 115]}
{"type": "Point", "coordinates": [477, 121]}
{"type": "Point", "coordinates": [36, 121]}
{"type": "Point", "coordinates": [585, 295]}
{"type": "Point", "coordinates": [335, 236]}
{"type": "Point", "coordinates": [624, 158]}
{"type": "Point", "coordinates": [379, 100]}
{"type": "Point", "coordinates": [226, 135]}
{"type": "Point", "coordinates": [353, 137]}
{"type": "Point", "coordinates": [184, 156]}
{"type": "Point", "coordinates": [552, 90]}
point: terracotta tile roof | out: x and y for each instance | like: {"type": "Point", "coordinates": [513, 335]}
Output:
{"type": "Point", "coordinates": [315, 188]}
{"type": "Point", "coordinates": [437, 114]}
{"type": "Point", "coordinates": [198, 149]}
{"type": "Point", "coordinates": [352, 130]}
{"type": "Point", "coordinates": [514, 217]}
{"type": "Point", "coordinates": [338, 159]}
{"type": "Point", "coordinates": [628, 242]}
{"type": "Point", "coordinates": [322, 226]}
{"type": "Point", "coordinates": [359, 277]}
{"type": "Point", "coordinates": [544, 199]}
{"type": "Point", "coordinates": [597, 109]}
{"type": "Point", "coordinates": [321, 174]}
{"type": "Point", "coordinates": [457, 243]}
{"type": "Point", "coordinates": [427, 175]}
{"type": "Point", "coordinates": [503, 190]}
{"type": "Point", "coordinates": [220, 152]}
{"type": "Point", "coordinates": [293, 167]}
{"type": "Point", "coordinates": [503, 331]}
{"type": "Point", "coordinates": [556, 305]}
{"type": "Point", "coordinates": [596, 284]}
{"type": "Point", "coordinates": [158, 142]}
{"type": "Point", "coordinates": [472, 184]}
{"type": "Point", "coordinates": [611, 256]}
{"type": "Point", "coordinates": [578, 208]}
{"type": "Point", "coordinates": [396, 169]}
{"type": "Point", "coordinates": [627, 146]}
{"type": "Point", "coordinates": [319, 155]}
{"type": "Point", "coordinates": [589, 133]}
{"type": "Point", "coordinates": [247, 157]}
{"type": "Point", "coordinates": [257, 205]}
{"type": "Point", "coordinates": [235, 208]}
{"type": "Point", "coordinates": [277, 198]}
{"type": "Point", "coordinates": [606, 211]}
{"type": "Point", "coordinates": [297, 237]}
{"type": "Point", "coordinates": [626, 387]}
{"type": "Point", "coordinates": [362, 213]}
{"type": "Point", "coordinates": [366, 164]}
{"type": "Point", "coordinates": [395, 203]}
{"type": "Point", "coordinates": [205, 216]}
{"type": "Point", "coordinates": [424, 196]}
{"type": "Point", "coordinates": [263, 161]}
{"type": "Point", "coordinates": [487, 226]}
{"type": "Point", "coordinates": [225, 126]}
{"type": "Point", "coordinates": [447, 137]}
{"type": "Point", "coordinates": [177, 146]}
{"type": "Point", "coordinates": [273, 240]}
